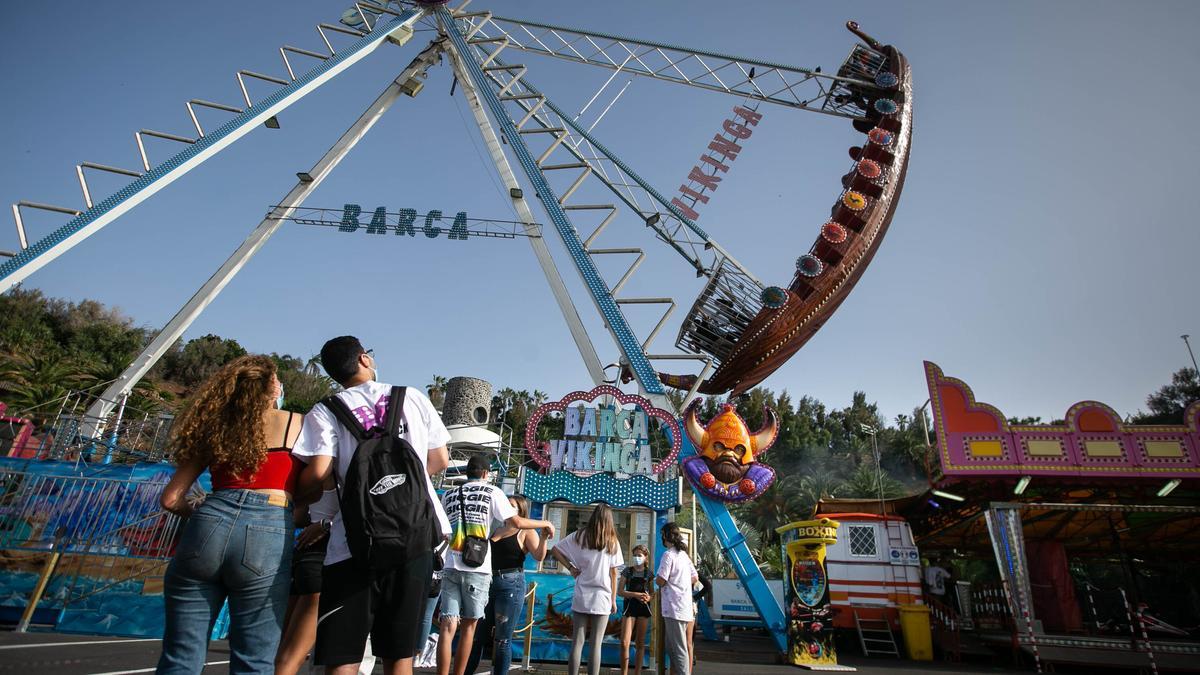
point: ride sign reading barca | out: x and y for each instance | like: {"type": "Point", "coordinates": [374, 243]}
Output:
{"type": "Point", "coordinates": [606, 430]}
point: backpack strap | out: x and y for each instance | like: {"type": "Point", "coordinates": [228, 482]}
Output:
{"type": "Point", "coordinates": [343, 414]}
{"type": "Point", "coordinates": [395, 411]}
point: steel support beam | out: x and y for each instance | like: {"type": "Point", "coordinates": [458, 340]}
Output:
{"type": "Point", "coordinates": [96, 414]}
{"type": "Point", "coordinates": [562, 296]}
{"type": "Point", "coordinates": [614, 319]}
{"type": "Point", "coordinates": [776, 83]}
{"type": "Point", "coordinates": [16, 269]}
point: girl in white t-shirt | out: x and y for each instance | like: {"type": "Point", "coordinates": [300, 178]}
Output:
{"type": "Point", "coordinates": [592, 555]}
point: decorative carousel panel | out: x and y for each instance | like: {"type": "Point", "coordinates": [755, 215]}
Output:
{"type": "Point", "coordinates": [601, 487]}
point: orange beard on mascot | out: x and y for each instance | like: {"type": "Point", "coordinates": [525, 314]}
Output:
{"type": "Point", "coordinates": [725, 465]}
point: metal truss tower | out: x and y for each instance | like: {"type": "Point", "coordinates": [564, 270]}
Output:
{"type": "Point", "coordinates": [554, 153]}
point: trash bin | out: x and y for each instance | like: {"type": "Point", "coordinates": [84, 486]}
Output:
{"type": "Point", "coordinates": [914, 626]}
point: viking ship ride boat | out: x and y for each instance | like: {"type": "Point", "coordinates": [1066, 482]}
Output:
{"type": "Point", "coordinates": [749, 333]}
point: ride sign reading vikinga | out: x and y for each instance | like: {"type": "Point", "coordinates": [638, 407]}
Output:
{"type": "Point", "coordinates": [607, 436]}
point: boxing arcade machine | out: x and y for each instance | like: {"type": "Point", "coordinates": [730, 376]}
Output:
{"type": "Point", "coordinates": [806, 594]}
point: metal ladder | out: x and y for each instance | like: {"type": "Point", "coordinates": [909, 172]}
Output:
{"type": "Point", "coordinates": [497, 84]}
{"type": "Point", "coordinates": [875, 636]}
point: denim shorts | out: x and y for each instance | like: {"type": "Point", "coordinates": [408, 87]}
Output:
{"type": "Point", "coordinates": [465, 594]}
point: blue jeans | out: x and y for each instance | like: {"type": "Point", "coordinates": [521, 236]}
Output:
{"type": "Point", "coordinates": [426, 623]}
{"type": "Point", "coordinates": [503, 616]}
{"type": "Point", "coordinates": [238, 547]}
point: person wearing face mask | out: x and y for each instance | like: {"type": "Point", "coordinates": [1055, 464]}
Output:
{"type": "Point", "coordinates": [676, 576]}
{"type": "Point", "coordinates": [237, 543]}
{"type": "Point", "coordinates": [636, 585]}
{"type": "Point", "coordinates": [387, 604]}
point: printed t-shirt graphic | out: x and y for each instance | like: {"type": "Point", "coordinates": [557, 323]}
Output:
{"type": "Point", "coordinates": [485, 504]}
{"type": "Point", "coordinates": [421, 426]}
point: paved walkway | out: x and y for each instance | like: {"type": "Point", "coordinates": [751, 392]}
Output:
{"type": "Point", "coordinates": [99, 655]}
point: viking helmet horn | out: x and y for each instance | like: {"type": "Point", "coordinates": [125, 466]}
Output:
{"type": "Point", "coordinates": [765, 437]}
{"type": "Point", "coordinates": [692, 425]}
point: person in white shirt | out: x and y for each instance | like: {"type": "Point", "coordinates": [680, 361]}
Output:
{"type": "Point", "coordinates": [592, 555]}
{"type": "Point", "coordinates": [465, 587]}
{"type": "Point", "coordinates": [935, 579]}
{"type": "Point", "coordinates": [676, 576]}
{"type": "Point", "coordinates": [386, 606]}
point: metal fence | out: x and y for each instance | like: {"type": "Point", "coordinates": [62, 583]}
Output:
{"type": "Point", "coordinates": [82, 534]}
{"type": "Point", "coordinates": [36, 508]}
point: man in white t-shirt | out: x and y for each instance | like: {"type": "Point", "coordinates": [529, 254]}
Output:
{"type": "Point", "coordinates": [386, 606]}
{"type": "Point", "coordinates": [473, 510]}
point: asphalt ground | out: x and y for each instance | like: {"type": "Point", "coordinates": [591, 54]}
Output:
{"type": "Point", "coordinates": [104, 655]}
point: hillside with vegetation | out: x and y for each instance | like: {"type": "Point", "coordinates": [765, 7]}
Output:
{"type": "Point", "coordinates": [50, 348]}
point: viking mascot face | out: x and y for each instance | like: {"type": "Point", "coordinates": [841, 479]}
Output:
{"type": "Point", "coordinates": [725, 466]}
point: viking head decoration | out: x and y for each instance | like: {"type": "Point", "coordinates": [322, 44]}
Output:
{"type": "Point", "coordinates": [726, 466]}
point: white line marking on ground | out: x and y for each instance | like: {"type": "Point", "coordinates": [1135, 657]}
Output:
{"type": "Point", "coordinates": [86, 642]}
{"type": "Point", "coordinates": [151, 670]}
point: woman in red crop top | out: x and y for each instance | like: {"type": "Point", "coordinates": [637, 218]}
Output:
{"type": "Point", "coordinates": [237, 543]}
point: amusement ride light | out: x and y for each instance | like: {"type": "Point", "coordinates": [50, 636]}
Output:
{"type": "Point", "coordinates": [1169, 487]}
{"type": "Point", "coordinates": [1022, 484]}
{"type": "Point", "coordinates": [949, 495]}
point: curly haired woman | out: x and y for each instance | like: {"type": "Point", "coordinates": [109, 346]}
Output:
{"type": "Point", "coordinates": [237, 543]}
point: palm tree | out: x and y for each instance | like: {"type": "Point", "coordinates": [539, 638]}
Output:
{"type": "Point", "coordinates": [34, 381]}
{"type": "Point", "coordinates": [144, 395]}
{"type": "Point", "coordinates": [437, 391]}
{"type": "Point", "coordinates": [502, 404]}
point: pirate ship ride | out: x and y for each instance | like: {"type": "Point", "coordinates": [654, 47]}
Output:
{"type": "Point", "coordinates": [749, 338]}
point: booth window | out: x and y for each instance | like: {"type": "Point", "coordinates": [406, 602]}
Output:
{"type": "Point", "coordinates": [862, 541]}
{"type": "Point", "coordinates": [570, 518]}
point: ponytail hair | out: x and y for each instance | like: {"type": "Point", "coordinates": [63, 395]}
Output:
{"type": "Point", "coordinates": [672, 536]}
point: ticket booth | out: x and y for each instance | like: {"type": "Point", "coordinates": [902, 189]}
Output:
{"type": "Point", "coordinates": [607, 447]}
{"type": "Point", "coordinates": [638, 520]}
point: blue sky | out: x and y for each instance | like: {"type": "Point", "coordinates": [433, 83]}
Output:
{"type": "Point", "coordinates": [1043, 251]}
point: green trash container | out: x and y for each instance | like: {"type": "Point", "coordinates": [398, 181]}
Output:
{"type": "Point", "coordinates": [914, 626]}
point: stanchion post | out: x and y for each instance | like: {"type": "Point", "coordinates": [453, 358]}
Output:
{"type": "Point", "coordinates": [530, 606]}
{"type": "Point", "coordinates": [43, 580]}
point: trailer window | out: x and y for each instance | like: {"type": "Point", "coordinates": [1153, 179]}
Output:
{"type": "Point", "coordinates": [862, 541]}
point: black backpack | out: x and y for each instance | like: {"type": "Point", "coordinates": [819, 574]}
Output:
{"type": "Point", "coordinates": [386, 507]}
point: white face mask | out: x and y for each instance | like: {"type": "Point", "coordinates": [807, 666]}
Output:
{"type": "Point", "coordinates": [639, 559]}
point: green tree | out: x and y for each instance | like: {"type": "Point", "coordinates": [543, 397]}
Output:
{"type": "Point", "coordinates": [437, 391]}
{"type": "Point", "coordinates": [200, 358]}
{"type": "Point", "coordinates": [35, 383]}
{"type": "Point", "coordinates": [302, 388]}
{"type": "Point", "coordinates": [865, 482]}
{"type": "Point", "coordinates": [1171, 400]}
